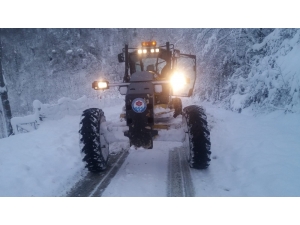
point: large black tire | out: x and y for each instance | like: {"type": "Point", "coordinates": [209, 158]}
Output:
{"type": "Point", "coordinates": [92, 141]}
{"type": "Point", "coordinates": [197, 140]}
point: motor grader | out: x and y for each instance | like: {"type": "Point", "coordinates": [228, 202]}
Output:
{"type": "Point", "coordinates": [154, 80]}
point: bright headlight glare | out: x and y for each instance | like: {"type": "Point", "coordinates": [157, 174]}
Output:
{"type": "Point", "coordinates": [157, 50]}
{"type": "Point", "coordinates": [102, 84]}
{"type": "Point", "coordinates": [144, 50]}
{"type": "Point", "coordinates": [140, 51]}
{"type": "Point", "coordinates": [178, 81]}
{"type": "Point", "coordinates": [152, 50]}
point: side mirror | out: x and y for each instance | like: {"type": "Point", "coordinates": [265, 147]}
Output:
{"type": "Point", "coordinates": [121, 57]}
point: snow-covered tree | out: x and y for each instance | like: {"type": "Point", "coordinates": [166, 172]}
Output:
{"type": "Point", "coordinates": [237, 67]}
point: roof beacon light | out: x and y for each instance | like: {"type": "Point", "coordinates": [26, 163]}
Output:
{"type": "Point", "coordinates": [149, 43]}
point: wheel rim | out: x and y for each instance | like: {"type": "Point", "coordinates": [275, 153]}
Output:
{"type": "Point", "coordinates": [104, 148]}
{"type": "Point", "coordinates": [186, 140]}
{"type": "Point", "coordinates": [104, 144]}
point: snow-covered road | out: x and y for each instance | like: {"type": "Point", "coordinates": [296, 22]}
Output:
{"type": "Point", "coordinates": [251, 156]}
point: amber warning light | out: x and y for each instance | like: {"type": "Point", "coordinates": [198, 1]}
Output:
{"type": "Point", "coordinates": [146, 45]}
{"type": "Point", "coordinates": [149, 43]}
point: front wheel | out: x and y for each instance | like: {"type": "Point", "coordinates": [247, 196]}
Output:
{"type": "Point", "coordinates": [197, 140]}
{"type": "Point", "coordinates": [92, 141]}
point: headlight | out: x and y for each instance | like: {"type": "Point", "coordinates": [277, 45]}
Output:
{"type": "Point", "coordinates": [100, 85]}
{"type": "Point", "coordinates": [178, 81]}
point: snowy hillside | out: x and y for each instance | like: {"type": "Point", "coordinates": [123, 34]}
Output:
{"type": "Point", "coordinates": [271, 80]}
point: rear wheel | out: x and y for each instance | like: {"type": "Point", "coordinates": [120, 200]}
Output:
{"type": "Point", "coordinates": [92, 141]}
{"type": "Point", "coordinates": [197, 138]}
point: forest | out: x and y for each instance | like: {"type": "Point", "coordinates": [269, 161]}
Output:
{"type": "Point", "coordinates": [236, 67]}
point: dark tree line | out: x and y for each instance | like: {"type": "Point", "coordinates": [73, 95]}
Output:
{"type": "Point", "coordinates": [5, 111]}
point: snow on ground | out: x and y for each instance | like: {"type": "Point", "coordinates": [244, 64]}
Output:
{"type": "Point", "coordinates": [144, 173]}
{"type": "Point", "coordinates": [251, 156]}
{"type": "Point", "coordinates": [42, 162]}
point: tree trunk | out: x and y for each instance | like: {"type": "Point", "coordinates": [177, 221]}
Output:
{"type": "Point", "coordinates": [6, 114]}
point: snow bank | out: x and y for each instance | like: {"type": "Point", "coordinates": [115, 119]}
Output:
{"type": "Point", "coordinates": [27, 123]}
{"type": "Point", "coordinates": [68, 106]}
{"type": "Point", "coordinates": [43, 162]}
{"type": "Point", "coordinates": [65, 106]}
{"type": "Point", "coordinates": [48, 161]}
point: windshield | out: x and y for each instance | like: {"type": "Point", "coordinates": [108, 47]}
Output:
{"type": "Point", "coordinates": [146, 62]}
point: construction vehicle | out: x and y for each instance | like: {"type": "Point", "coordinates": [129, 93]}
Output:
{"type": "Point", "coordinates": [154, 79]}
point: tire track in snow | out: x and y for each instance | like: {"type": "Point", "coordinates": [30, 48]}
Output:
{"type": "Point", "coordinates": [179, 178]}
{"type": "Point", "coordinates": [93, 184]}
